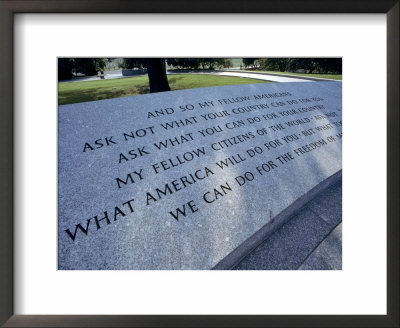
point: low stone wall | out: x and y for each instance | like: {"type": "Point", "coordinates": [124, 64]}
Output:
{"type": "Point", "coordinates": [130, 72]}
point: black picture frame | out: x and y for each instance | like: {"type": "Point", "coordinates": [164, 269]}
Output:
{"type": "Point", "coordinates": [10, 7]}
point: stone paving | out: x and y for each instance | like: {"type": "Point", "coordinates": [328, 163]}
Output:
{"type": "Point", "coordinates": [311, 240]}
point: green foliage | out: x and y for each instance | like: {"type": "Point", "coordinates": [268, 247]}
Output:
{"type": "Point", "coordinates": [196, 63]}
{"type": "Point", "coordinates": [273, 64]}
{"type": "Point", "coordinates": [331, 76]}
{"type": "Point", "coordinates": [113, 64]}
{"type": "Point", "coordinates": [89, 66]}
{"type": "Point", "coordinates": [250, 62]}
{"type": "Point", "coordinates": [184, 63]}
{"type": "Point", "coordinates": [67, 67]}
{"type": "Point", "coordinates": [130, 63]}
{"type": "Point", "coordinates": [226, 63]}
{"type": "Point", "coordinates": [328, 65]}
{"type": "Point", "coordinates": [308, 65]}
{"type": "Point", "coordinates": [208, 63]}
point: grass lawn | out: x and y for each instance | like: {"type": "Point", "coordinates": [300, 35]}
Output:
{"type": "Point", "coordinates": [321, 76]}
{"type": "Point", "coordinates": [74, 92]}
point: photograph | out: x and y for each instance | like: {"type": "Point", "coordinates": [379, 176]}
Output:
{"type": "Point", "coordinates": [199, 163]}
{"type": "Point", "coordinates": [183, 164]}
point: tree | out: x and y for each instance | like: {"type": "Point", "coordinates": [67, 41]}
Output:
{"type": "Point", "coordinates": [307, 64]}
{"type": "Point", "coordinates": [224, 63]}
{"type": "Point", "coordinates": [89, 66]}
{"type": "Point", "coordinates": [208, 63]}
{"type": "Point", "coordinates": [156, 71]}
{"type": "Point", "coordinates": [212, 63]}
{"type": "Point", "coordinates": [195, 63]}
{"type": "Point", "coordinates": [65, 67]}
{"type": "Point", "coordinates": [203, 63]}
{"type": "Point", "coordinates": [249, 62]}
{"type": "Point", "coordinates": [130, 63]}
{"type": "Point", "coordinates": [157, 75]}
{"type": "Point", "coordinates": [274, 64]}
{"type": "Point", "coordinates": [328, 65]}
{"type": "Point", "coordinates": [175, 62]}
{"type": "Point", "coordinates": [184, 63]}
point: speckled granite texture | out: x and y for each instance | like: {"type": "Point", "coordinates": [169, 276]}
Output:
{"type": "Point", "coordinates": [230, 158]}
{"type": "Point", "coordinates": [307, 241]}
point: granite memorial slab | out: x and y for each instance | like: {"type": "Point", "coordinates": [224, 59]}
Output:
{"type": "Point", "coordinates": [180, 180]}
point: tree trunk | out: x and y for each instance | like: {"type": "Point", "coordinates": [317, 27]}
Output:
{"type": "Point", "coordinates": [157, 75]}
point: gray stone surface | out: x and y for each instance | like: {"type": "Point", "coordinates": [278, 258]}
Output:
{"type": "Point", "coordinates": [288, 247]}
{"type": "Point", "coordinates": [329, 205]}
{"type": "Point", "coordinates": [306, 242]}
{"type": "Point", "coordinates": [117, 193]}
{"type": "Point", "coordinates": [328, 255]}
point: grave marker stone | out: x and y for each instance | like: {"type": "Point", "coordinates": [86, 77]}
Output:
{"type": "Point", "coordinates": [179, 180]}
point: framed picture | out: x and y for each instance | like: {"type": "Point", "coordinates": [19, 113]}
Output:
{"type": "Point", "coordinates": [152, 289]}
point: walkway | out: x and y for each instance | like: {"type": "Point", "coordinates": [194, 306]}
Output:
{"type": "Point", "coordinates": [257, 76]}
{"type": "Point", "coordinates": [266, 77]}
{"type": "Point", "coordinates": [311, 240]}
